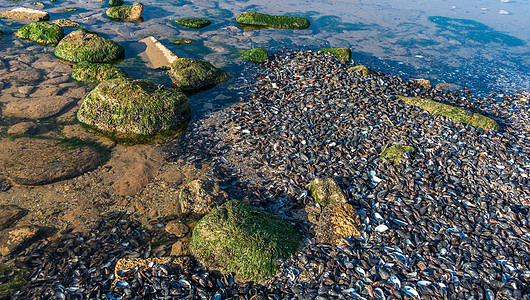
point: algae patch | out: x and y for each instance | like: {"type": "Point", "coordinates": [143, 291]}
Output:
{"type": "Point", "coordinates": [256, 55]}
{"type": "Point", "coordinates": [395, 152]}
{"type": "Point", "coordinates": [270, 21]}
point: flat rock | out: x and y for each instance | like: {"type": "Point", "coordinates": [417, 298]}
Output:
{"type": "Point", "coordinates": [15, 239]}
{"type": "Point", "coordinates": [65, 23]}
{"type": "Point", "coordinates": [23, 128]}
{"type": "Point", "coordinates": [336, 222]}
{"type": "Point", "coordinates": [22, 13]}
{"type": "Point", "coordinates": [36, 108]}
{"type": "Point", "coordinates": [157, 54]}
{"type": "Point", "coordinates": [35, 161]}
{"type": "Point", "coordinates": [9, 215]}
{"type": "Point", "coordinates": [177, 228]}
{"type": "Point", "coordinates": [326, 191]}
{"type": "Point", "coordinates": [198, 197]}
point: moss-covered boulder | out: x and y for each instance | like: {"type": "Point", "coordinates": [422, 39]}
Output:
{"type": "Point", "coordinates": [270, 21]}
{"type": "Point", "coordinates": [83, 45]}
{"type": "Point", "coordinates": [194, 23]}
{"type": "Point", "coordinates": [126, 12]}
{"type": "Point", "coordinates": [360, 68]}
{"type": "Point", "coordinates": [340, 53]}
{"type": "Point", "coordinates": [256, 55]}
{"type": "Point", "coordinates": [43, 33]}
{"type": "Point", "coordinates": [195, 74]}
{"type": "Point", "coordinates": [395, 153]}
{"type": "Point", "coordinates": [94, 72]}
{"type": "Point", "coordinates": [183, 41]}
{"type": "Point", "coordinates": [133, 107]}
{"type": "Point", "coordinates": [115, 3]}
{"type": "Point", "coordinates": [240, 238]}
{"type": "Point", "coordinates": [326, 191]}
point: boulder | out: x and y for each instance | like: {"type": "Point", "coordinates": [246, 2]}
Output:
{"type": "Point", "coordinates": [14, 239]}
{"type": "Point", "coordinates": [36, 161]}
{"type": "Point", "coordinates": [22, 13]}
{"type": "Point", "coordinates": [256, 55]}
{"type": "Point", "coordinates": [43, 33]}
{"type": "Point", "coordinates": [270, 21]}
{"type": "Point", "coordinates": [243, 239]}
{"type": "Point", "coordinates": [340, 53]}
{"type": "Point", "coordinates": [198, 197]}
{"type": "Point", "coordinates": [193, 23]}
{"type": "Point", "coordinates": [337, 221]}
{"type": "Point", "coordinates": [195, 74]}
{"type": "Point", "coordinates": [65, 23]}
{"type": "Point", "coordinates": [83, 45]}
{"type": "Point", "coordinates": [115, 2]}
{"type": "Point", "coordinates": [133, 107]}
{"type": "Point", "coordinates": [96, 72]}
{"type": "Point", "coordinates": [126, 12]}
{"type": "Point", "coordinates": [9, 215]}
{"type": "Point", "coordinates": [326, 191]}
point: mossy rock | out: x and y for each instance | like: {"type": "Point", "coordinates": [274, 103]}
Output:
{"type": "Point", "coordinates": [270, 21]}
{"type": "Point", "coordinates": [195, 74]}
{"type": "Point", "coordinates": [11, 280]}
{"type": "Point", "coordinates": [360, 68]}
{"type": "Point", "coordinates": [115, 3]}
{"type": "Point", "coordinates": [193, 23]}
{"type": "Point", "coordinates": [183, 41]}
{"type": "Point", "coordinates": [94, 72]}
{"type": "Point", "coordinates": [326, 191]}
{"type": "Point", "coordinates": [256, 55]}
{"type": "Point", "coordinates": [126, 12]}
{"type": "Point", "coordinates": [454, 113]}
{"type": "Point", "coordinates": [83, 45]}
{"type": "Point", "coordinates": [395, 152]}
{"type": "Point", "coordinates": [240, 238]}
{"type": "Point", "coordinates": [340, 53]}
{"type": "Point", "coordinates": [44, 33]}
{"type": "Point", "coordinates": [133, 107]}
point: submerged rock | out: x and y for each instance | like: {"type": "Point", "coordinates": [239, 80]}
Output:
{"type": "Point", "coordinates": [37, 108]}
{"type": "Point", "coordinates": [198, 197]}
{"type": "Point", "coordinates": [84, 45]}
{"type": "Point", "coordinates": [195, 74]}
{"type": "Point", "coordinates": [243, 239]}
{"type": "Point", "coordinates": [65, 23]}
{"type": "Point", "coordinates": [183, 41]}
{"type": "Point", "coordinates": [23, 128]}
{"type": "Point", "coordinates": [133, 107]}
{"type": "Point", "coordinates": [283, 22]}
{"type": "Point", "coordinates": [256, 55]}
{"type": "Point", "coordinates": [326, 191]}
{"type": "Point", "coordinates": [340, 53]}
{"type": "Point", "coordinates": [194, 23]}
{"type": "Point", "coordinates": [22, 13]}
{"type": "Point", "coordinates": [43, 33]}
{"type": "Point", "coordinates": [126, 12]}
{"type": "Point", "coordinates": [94, 72]}
{"type": "Point", "coordinates": [336, 222]}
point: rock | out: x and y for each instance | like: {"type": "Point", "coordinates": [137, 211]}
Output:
{"type": "Point", "coordinates": [181, 247]}
{"type": "Point", "coordinates": [198, 197]}
{"type": "Point", "coordinates": [336, 222]}
{"type": "Point", "coordinates": [15, 239]}
{"type": "Point", "coordinates": [126, 12]}
{"type": "Point", "coordinates": [133, 107]}
{"type": "Point", "coordinates": [9, 215]}
{"type": "Point", "coordinates": [395, 152]}
{"type": "Point", "coordinates": [193, 23]}
{"type": "Point", "coordinates": [158, 55]}
{"type": "Point", "coordinates": [269, 21]}
{"type": "Point", "coordinates": [256, 55]}
{"type": "Point", "coordinates": [447, 86]}
{"type": "Point", "coordinates": [23, 77]}
{"type": "Point", "coordinates": [22, 13]}
{"type": "Point", "coordinates": [4, 185]}
{"type": "Point", "coordinates": [183, 41]}
{"type": "Point", "coordinates": [360, 68]}
{"type": "Point", "coordinates": [36, 161]}
{"type": "Point", "coordinates": [36, 108]}
{"type": "Point", "coordinates": [115, 2]}
{"type": "Point", "coordinates": [326, 191]}
{"type": "Point", "coordinates": [43, 33]}
{"type": "Point", "coordinates": [340, 53]}
{"type": "Point", "coordinates": [95, 72]}
{"type": "Point", "coordinates": [176, 228]}
{"type": "Point", "coordinates": [23, 128]}
{"type": "Point", "coordinates": [424, 82]}
{"type": "Point", "coordinates": [83, 45]}
{"type": "Point", "coordinates": [240, 238]}
{"type": "Point", "coordinates": [65, 23]}
{"type": "Point", "coordinates": [194, 74]}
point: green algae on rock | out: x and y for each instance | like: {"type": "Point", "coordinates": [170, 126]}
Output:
{"type": "Point", "coordinates": [454, 113]}
{"type": "Point", "coordinates": [270, 21]}
{"type": "Point", "coordinates": [11, 280]}
{"type": "Point", "coordinates": [243, 239]}
{"type": "Point", "coordinates": [194, 23]}
{"type": "Point", "coordinates": [195, 74]}
{"type": "Point", "coordinates": [395, 152]}
{"type": "Point", "coordinates": [83, 45]}
{"type": "Point", "coordinates": [326, 191]}
{"type": "Point", "coordinates": [115, 2]}
{"type": "Point", "coordinates": [43, 33]}
{"type": "Point", "coordinates": [183, 41]}
{"type": "Point", "coordinates": [256, 55]}
{"type": "Point", "coordinates": [365, 71]}
{"type": "Point", "coordinates": [133, 107]}
{"type": "Point", "coordinates": [340, 53]}
{"type": "Point", "coordinates": [95, 72]}
{"type": "Point", "coordinates": [126, 12]}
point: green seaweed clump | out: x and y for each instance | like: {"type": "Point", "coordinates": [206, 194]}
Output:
{"type": "Point", "coordinates": [193, 23]}
{"type": "Point", "coordinates": [239, 238]}
{"type": "Point", "coordinates": [395, 152]}
{"type": "Point", "coordinates": [270, 21]}
{"type": "Point", "coordinates": [10, 281]}
{"type": "Point", "coordinates": [360, 68]}
{"type": "Point", "coordinates": [340, 53]}
{"type": "Point", "coordinates": [94, 72]}
{"type": "Point", "coordinates": [43, 33]}
{"type": "Point", "coordinates": [454, 113]}
{"type": "Point", "coordinates": [195, 74]}
{"type": "Point", "coordinates": [183, 41]}
{"type": "Point", "coordinates": [83, 45]}
{"type": "Point", "coordinates": [256, 55]}
{"type": "Point", "coordinates": [126, 12]}
{"type": "Point", "coordinates": [115, 3]}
